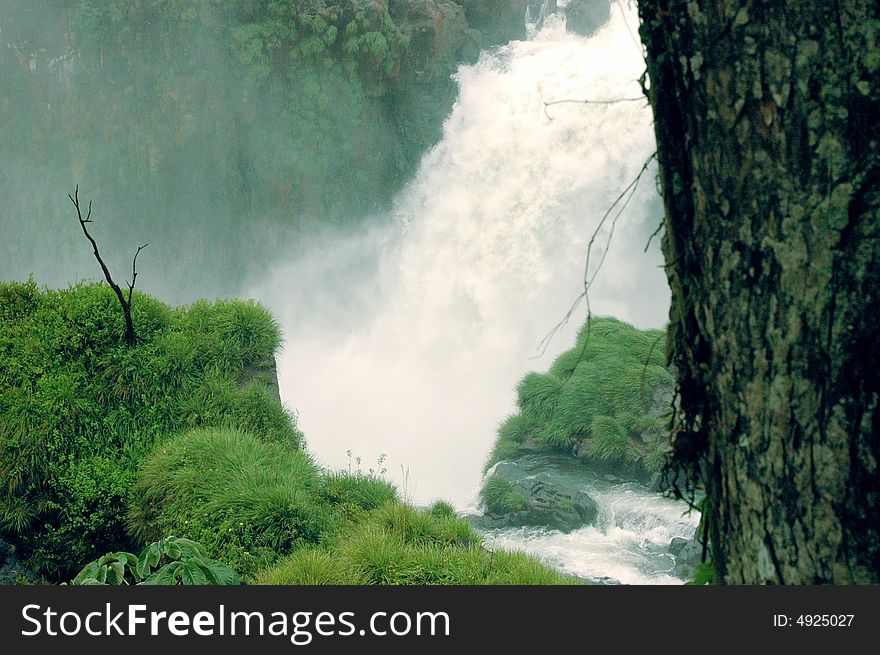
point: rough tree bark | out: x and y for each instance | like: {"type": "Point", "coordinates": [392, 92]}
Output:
{"type": "Point", "coordinates": [766, 117]}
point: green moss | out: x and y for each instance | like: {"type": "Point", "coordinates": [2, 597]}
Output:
{"type": "Point", "coordinates": [705, 574]}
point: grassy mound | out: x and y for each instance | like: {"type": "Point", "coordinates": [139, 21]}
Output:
{"type": "Point", "coordinates": [106, 447]}
{"type": "Point", "coordinates": [397, 544]}
{"type": "Point", "coordinates": [247, 500]}
{"type": "Point", "coordinates": [79, 409]}
{"type": "Point", "coordinates": [602, 401]}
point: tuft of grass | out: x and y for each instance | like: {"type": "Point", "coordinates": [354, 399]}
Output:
{"type": "Point", "coordinates": [400, 545]}
{"type": "Point", "coordinates": [248, 501]}
{"type": "Point", "coordinates": [311, 566]}
{"type": "Point", "coordinates": [539, 393]}
{"type": "Point", "coordinates": [614, 371]}
{"type": "Point", "coordinates": [441, 509]}
{"type": "Point", "coordinates": [355, 493]}
{"type": "Point", "coordinates": [420, 527]}
{"type": "Point", "coordinates": [498, 496]}
{"type": "Point", "coordinates": [610, 442]}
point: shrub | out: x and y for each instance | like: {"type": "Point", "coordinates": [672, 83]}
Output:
{"type": "Point", "coordinates": [79, 408]}
{"type": "Point", "coordinates": [169, 561]}
{"type": "Point", "coordinates": [606, 383]}
{"type": "Point", "coordinates": [247, 500]}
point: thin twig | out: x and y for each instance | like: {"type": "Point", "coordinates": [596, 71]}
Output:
{"type": "Point", "coordinates": [613, 101]}
{"type": "Point", "coordinates": [653, 234]}
{"type": "Point", "coordinates": [625, 196]}
{"type": "Point", "coordinates": [134, 271]}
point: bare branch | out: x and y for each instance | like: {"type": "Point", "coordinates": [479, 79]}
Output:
{"type": "Point", "coordinates": [130, 336]}
{"type": "Point", "coordinates": [612, 101]}
{"type": "Point", "coordinates": [653, 234]}
{"type": "Point", "coordinates": [625, 197]}
{"type": "Point", "coordinates": [134, 271]}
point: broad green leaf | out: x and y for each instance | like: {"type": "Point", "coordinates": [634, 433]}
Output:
{"type": "Point", "coordinates": [173, 550]}
{"type": "Point", "coordinates": [118, 569]}
{"type": "Point", "coordinates": [191, 574]}
{"type": "Point", "coordinates": [88, 571]}
{"type": "Point", "coordinates": [190, 548]}
{"type": "Point", "coordinates": [219, 573]}
{"type": "Point", "coordinates": [164, 576]}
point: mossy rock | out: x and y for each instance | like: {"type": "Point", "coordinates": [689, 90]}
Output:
{"type": "Point", "coordinates": [537, 490]}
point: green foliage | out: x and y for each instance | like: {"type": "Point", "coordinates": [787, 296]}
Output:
{"type": "Point", "coordinates": [498, 496]}
{"type": "Point", "coordinates": [441, 509]}
{"type": "Point", "coordinates": [610, 442]}
{"type": "Point", "coordinates": [424, 528]}
{"type": "Point", "coordinates": [109, 569]}
{"type": "Point", "coordinates": [311, 566]}
{"type": "Point", "coordinates": [595, 399]}
{"type": "Point", "coordinates": [655, 458]}
{"type": "Point", "coordinates": [354, 493]}
{"type": "Point", "coordinates": [705, 574]}
{"type": "Point", "coordinates": [79, 409]}
{"type": "Point", "coordinates": [247, 500]}
{"type": "Point", "coordinates": [169, 561]}
{"type": "Point", "coordinates": [512, 432]}
{"type": "Point", "coordinates": [398, 544]}
{"type": "Point", "coordinates": [205, 110]}
{"type": "Point", "coordinates": [540, 393]}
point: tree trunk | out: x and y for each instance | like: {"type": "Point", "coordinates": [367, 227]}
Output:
{"type": "Point", "coordinates": [766, 116]}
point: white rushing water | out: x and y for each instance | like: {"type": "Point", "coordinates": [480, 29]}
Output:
{"type": "Point", "coordinates": [628, 545]}
{"type": "Point", "coordinates": [409, 337]}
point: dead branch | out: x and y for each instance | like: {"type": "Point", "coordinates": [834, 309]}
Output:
{"type": "Point", "coordinates": [130, 335]}
{"type": "Point", "coordinates": [625, 197]}
{"type": "Point", "coordinates": [613, 101]}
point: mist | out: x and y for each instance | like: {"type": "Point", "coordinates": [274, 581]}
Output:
{"type": "Point", "coordinates": [414, 284]}
{"type": "Point", "coordinates": [198, 128]}
{"type": "Point", "coordinates": [408, 338]}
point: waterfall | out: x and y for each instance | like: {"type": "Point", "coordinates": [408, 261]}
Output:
{"type": "Point", "coordinates": [408, 337]}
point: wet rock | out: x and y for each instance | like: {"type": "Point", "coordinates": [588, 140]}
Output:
{"type": "Point", "coordinates": [677, 545]}
{"type": "Point", "coordinates": [13, 571]}
{"type": "Point", "coordinates": [688, 554]}
{"type": "Point", "coordinates": [264, 373]}
{"type": "Point", "coordinates": [548, 491]}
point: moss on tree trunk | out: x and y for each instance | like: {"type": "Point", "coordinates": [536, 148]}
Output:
{"type": "Point", "coordinates": [766, 122]}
